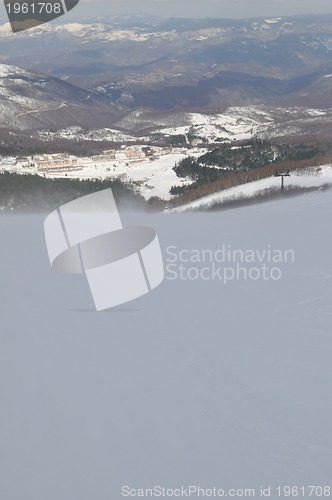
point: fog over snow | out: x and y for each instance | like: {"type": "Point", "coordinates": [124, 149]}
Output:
{"type": "Point", "coordinates": [195, 383]}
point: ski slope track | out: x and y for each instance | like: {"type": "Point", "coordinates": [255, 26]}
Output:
{"type": "Point", "coordinates": [197, 383]}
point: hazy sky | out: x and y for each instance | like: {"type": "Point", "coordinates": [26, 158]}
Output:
{"type": "Point", "coordinates": [206, 8]}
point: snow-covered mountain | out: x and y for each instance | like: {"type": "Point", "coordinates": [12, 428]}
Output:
{"type": "Point", "coordinates": [234, 123]}
{"type": "Point", "coordinates": [31, 100]}
{"type": "Point", "coordinates": [210, 79]}
{"type": "Point", "coordinates": [183, 63]}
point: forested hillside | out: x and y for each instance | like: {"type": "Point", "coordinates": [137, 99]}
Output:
{"type": "Point", "coordinates": [30, 193]}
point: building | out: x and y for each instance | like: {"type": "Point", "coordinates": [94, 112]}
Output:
{"type": "Point", "coordinates": [56, 162]}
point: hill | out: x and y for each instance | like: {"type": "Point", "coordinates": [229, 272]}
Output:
{"type": "Point", "coordinates": [31, 100]}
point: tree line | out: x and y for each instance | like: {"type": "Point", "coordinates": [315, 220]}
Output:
{"type": "Point", "coordinates": [31, 193]}
{"type": "Point", "coordinates": [228, 159]}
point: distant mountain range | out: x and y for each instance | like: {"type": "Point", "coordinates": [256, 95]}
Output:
{"type": "Point", "coordinates": [101, 74]}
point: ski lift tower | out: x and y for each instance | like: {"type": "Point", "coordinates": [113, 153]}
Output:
{"type": "Point", "coordinates": [282, 174]}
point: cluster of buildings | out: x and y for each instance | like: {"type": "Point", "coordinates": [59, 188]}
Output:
{"type": "Point", "coordinates": [133, 154]}
{"type": "Point", "coordinates": [113, 162]}
{"type": "Point", "coordinates": [48, 163]}
{"type": "Point", "coordinates": [55, 163]}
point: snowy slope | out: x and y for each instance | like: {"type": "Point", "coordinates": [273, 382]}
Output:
{"type": "Point", "coordinates": [244, 122]}
{"type": "Point", "coordinates": [152, 177]}
{"type": "Point", "coordinates": [33, 100]}
{"type": "Point", "coordinates": [197, 383]}
{"type": "Point", "coordinates": [79, 134]}
{"type": "Point", "coordinates": [315, 177]}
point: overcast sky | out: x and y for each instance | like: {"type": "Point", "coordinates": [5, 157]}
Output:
{"type": "Point", "coordinates": [205, 8]}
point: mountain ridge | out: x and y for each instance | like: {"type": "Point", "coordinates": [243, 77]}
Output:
{"type": "Point", "coordinates": [29, 100]}
{"type": "Point", "coordinates": [132, 69]}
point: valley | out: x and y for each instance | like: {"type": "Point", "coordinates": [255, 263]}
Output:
{"type": "Point", "coordinates": [148, 93]}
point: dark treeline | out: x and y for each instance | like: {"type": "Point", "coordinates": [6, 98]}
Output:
{"type": "Point", "coordinates": [25, 143]}
{"type": "Point", "coordinates": [263, 196]}
{"type": "Point", "coordinates": [21, 144]}
{"type": "Point", "coordinates": [228, 159]}
{"type": "Point", "coordinates": [32, 193]}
